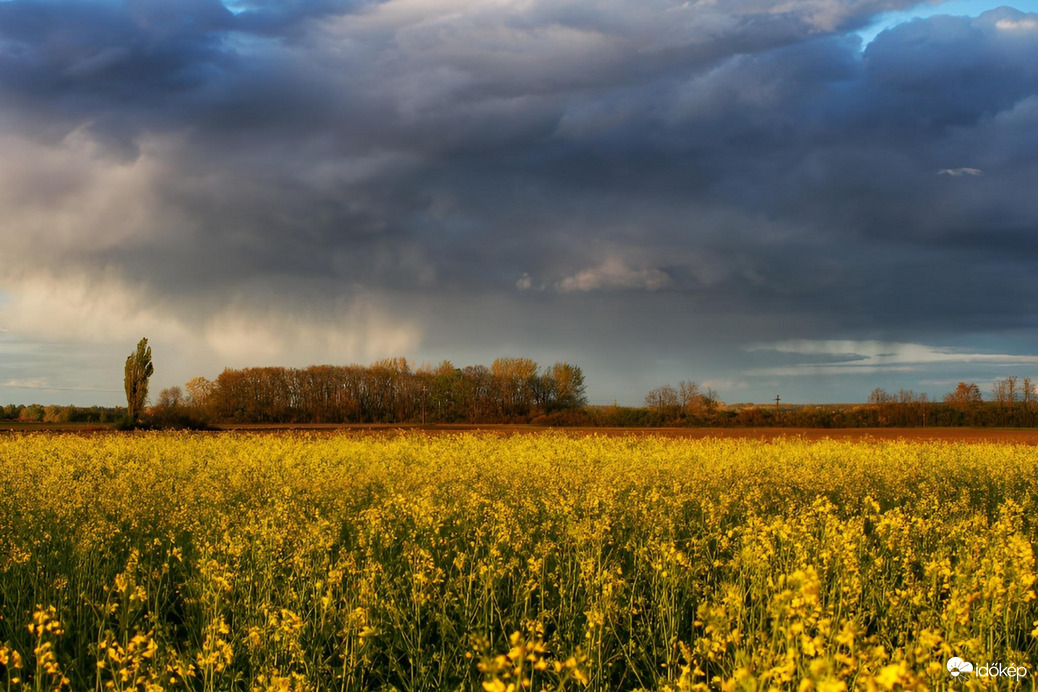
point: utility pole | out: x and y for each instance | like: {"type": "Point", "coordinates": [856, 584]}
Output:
{"type": "Point", "coordinates": [776, 401]}
{"type": "Point", "coordinates": [424, 391]}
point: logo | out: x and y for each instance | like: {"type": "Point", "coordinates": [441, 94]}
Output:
{"type": "Point", "coordinates": [956, 666]}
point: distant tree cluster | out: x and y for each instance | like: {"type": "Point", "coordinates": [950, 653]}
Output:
{"type": "Point", "coordinates": [689, 401]}
{"type": "Point", "coordinates": [389, 391]}
{"type": "Point", "coordinates": [35, 413]}
{"type": "Point", "coordinates": [1013, 403]}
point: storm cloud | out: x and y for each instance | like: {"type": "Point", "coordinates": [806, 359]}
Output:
{"type": "Point", "coordinates": [656, 190]}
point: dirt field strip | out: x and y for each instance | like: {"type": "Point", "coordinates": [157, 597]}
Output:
{"type": "Point", "coordinates": [1023, 436]}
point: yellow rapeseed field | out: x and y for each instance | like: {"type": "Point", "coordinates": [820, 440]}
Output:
{"type": "Point", "coordinates": [529, 562]}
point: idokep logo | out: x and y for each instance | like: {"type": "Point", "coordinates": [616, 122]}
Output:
{"type": "Point", "coordinates": [956, 666]}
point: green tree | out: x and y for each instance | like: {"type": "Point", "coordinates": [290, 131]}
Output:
{"type": "Point", "coordinates": [138, 370]}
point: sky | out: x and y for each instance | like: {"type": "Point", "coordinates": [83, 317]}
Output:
{"type": "Point", "coordinates": [809, 198]}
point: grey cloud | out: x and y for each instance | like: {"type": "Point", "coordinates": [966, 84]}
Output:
{"type": "Point", "coordinates": [110, 51]}
{"type": "Point", "coordinates": [748, 157]}
{"type": "Point", "coordinates": [615, 274]}
{"type": "Point", "coordinates": [956, 172]}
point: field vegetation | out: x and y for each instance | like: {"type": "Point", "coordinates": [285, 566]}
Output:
{"type": "Point", "coordinates": [527, 562]}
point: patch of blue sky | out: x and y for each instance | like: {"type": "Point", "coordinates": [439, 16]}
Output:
{"type": "Point", "coordinates": [968, 8]}
{"type": "Point", "coordinates": [236, 6]}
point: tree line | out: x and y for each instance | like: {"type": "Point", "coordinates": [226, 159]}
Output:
{"type": "Point", "coordinates": [36, 413]}
{"type": "Point", "coordinates": [517, 390]}
{"type": "Point", "coordinates": [1013, 402]}
{"type": "Point", "coordinates": [510, 390]}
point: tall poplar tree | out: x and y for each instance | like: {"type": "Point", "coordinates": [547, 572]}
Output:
{"type": "Point", "coordinates": [138, 370]}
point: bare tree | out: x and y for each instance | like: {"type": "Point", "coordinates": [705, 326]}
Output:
{"type": "Point", "coordinates": [564, 387]}
{"type": "Point", "coordinates": [880, 396]}
{"type": "Point", "coordinates": [1005, 392]}
{"type": "Point", "coordinates": [965, 397]}
{"type": "Point", "coordinates": [170, 397]}
{"type": "Point", "coordinates": [199, 391]}
{"type": "Point", "coordinates": [689, 396]}
{"type": "Point", "coordinates": [515, 380]}
{"type": "Point", "coordinates": [662, 398]}
{"type": "Point", "coordinates": [1028, 397]}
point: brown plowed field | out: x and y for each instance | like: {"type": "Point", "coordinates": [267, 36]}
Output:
{"type": "Point", "coordinates": [1028, 436]}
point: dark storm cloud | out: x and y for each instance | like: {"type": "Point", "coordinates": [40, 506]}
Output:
{"type": "Point", "coordinates": [741, 169]}
{"type": "Point", "coordinates": [110, 55]}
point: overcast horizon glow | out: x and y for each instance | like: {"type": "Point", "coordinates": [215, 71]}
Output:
{"type": "Point", "coordinates": [809, 198]}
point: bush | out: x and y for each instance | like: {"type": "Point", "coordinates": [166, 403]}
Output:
{"type": "Point", "coordinates": [176, 417]}
{"type": "Point", "coordinates": [573, 418]}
